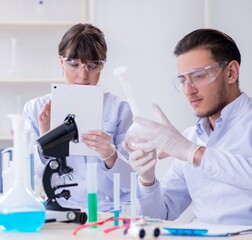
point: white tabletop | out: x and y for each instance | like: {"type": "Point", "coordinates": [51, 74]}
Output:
{"type": "Point", "coordinates": [64, 231]}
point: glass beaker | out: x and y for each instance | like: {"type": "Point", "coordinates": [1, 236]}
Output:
{"type": "Point", "coordinates": [20, 208]}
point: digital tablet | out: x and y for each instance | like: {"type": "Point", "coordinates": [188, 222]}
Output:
{"type": "Point", "coordinates": [85, 102]}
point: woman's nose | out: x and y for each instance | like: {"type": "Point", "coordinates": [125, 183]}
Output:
{"type": "Point", "coordinates": [82, 75]}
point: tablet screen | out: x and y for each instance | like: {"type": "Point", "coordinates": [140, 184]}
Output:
{"type": "Point", "coordinates": [85, 102]}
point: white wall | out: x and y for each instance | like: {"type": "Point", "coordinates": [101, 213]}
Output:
{"type": "Point", "coordinates": [235, 18]}
{"type": "Point", "coordinates": [142, 34]}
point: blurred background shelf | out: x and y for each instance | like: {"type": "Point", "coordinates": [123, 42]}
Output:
{"type": "Point", "coordinates": [30, 33]}
{"type": "Point", "coordinates": [28, 24]}
{"type": "Point", "coordinates": [29, 80]}
{"type": "Point", "coordinates": [6, 138]}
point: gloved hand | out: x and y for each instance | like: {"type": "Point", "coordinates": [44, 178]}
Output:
{"type": "Point", "coordinates": [143, 163]}
{"type": "Point", "coordinates": [165, 137]}
{"type": "Point", "coordinates": [100, 142]}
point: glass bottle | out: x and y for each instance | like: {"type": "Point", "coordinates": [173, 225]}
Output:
{"type": "Point", "coordinates": [20, 208]}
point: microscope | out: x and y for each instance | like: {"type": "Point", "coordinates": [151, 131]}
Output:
{"type": "Point", "coordinates": [55, 146]}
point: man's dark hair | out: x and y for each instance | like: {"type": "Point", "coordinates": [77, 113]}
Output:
{"type": "Point", "coordinates": [222, 46]}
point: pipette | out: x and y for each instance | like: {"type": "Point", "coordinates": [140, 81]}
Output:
{"type": "Point", "coordinates": [116, 197]}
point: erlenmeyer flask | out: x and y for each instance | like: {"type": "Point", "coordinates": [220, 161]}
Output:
{"type": "Point", "coordinates": [20, 208]}
{"type": "Point", "coordinates": [132, 135]}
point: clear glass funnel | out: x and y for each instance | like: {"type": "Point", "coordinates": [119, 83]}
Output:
{"type": "Point", "coordinates": [20, 208]}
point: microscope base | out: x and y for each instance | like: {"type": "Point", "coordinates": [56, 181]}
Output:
{"type": "Point", "coordinates": [66, 216]}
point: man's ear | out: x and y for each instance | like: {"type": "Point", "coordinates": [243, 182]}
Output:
{"type": "Point", "coordinates": [233, 71]}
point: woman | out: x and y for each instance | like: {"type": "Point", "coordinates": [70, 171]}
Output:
{"type": "Point", "coordinates": [82, 55]}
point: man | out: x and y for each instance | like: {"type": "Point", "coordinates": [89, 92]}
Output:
{"type": "Point", "coordinates": [213, 166]}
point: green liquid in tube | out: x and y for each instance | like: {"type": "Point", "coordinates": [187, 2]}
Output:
{"type": "Point", "coordinates": [92, 207]}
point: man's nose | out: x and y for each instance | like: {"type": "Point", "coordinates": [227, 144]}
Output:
{"type": "Point", "coordinates": [189, 88]}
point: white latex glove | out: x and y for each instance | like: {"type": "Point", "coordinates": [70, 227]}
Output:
{"type": "Point", "coordinates": [143, 163]}
{"type": "Point", "coordinates": [111, 150]}
{"type": "Point", "coordinates": [165, 137]}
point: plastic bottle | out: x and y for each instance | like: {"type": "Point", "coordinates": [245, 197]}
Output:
{"type": "Point", "coordinates": [20, 208]}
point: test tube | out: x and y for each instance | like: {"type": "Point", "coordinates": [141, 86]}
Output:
{"type": "Point", "coordinates": [116, 197]}
{"type": "Point", "coordinates": [92, 191]}
{"type": "Point", "coordinates": [133, 195]}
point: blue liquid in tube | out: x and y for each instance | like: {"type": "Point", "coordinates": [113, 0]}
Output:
{"type": "Point", "coordinates": [116, 215]}
{"type": "Point", "coordinates": [186, 231]}
{"type": "Point", "coordinates": [30, 221]}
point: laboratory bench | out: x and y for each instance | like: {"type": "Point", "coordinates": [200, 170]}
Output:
{"type": "Point", "coordinates": [64, 231]}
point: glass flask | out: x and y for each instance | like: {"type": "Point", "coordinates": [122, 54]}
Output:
{"type": "Point", "coordinates": [21, 209]}
{"type": "Point", "coordinates": [131, 136]}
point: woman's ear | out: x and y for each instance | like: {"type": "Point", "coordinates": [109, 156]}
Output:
{"type": "Point", "coordinates": [233, 71]}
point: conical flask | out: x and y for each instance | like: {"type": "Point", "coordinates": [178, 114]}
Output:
{"type": "Point", "coordinates": [20, 208]}
{"type": "Point", "coordinates": [132, 135]}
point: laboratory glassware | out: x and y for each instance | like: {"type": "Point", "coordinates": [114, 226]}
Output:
{"type": "Point", "coordinates": [92, 191]}
{"type": "Point", "coordinates": [131, 135]}
{"type": "Point", "coordinates": [7, 169]}
{"type": "Point", "coordinates": [21, 209]}
{"type": "Point", "coordinates": [116, 197]}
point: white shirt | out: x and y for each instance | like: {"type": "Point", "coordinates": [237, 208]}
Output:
{"type": "Point", "coordinates": [117, 118]}
{"type": "Point", "coordinates": [220, 189]}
